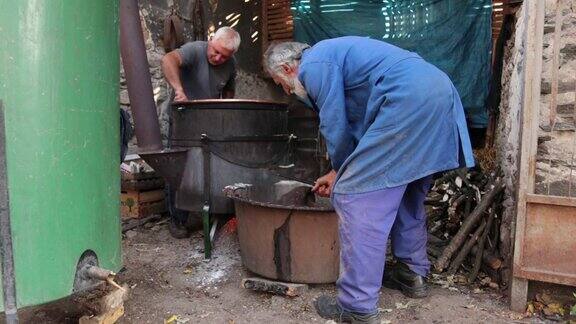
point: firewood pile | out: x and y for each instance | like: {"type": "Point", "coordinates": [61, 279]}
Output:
{"type": "Point", "coordinates": [464, 208]}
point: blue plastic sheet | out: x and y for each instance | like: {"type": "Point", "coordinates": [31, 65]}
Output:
{"type": "Point", "coordinates": [454, 35]}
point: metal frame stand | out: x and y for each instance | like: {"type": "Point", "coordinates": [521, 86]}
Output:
{"type": "Point", "coordinates": [209, 229]}
{"type": "Point", "coordinates": [208, 226]}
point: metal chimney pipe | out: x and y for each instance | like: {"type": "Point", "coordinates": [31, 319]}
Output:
{"type": "Point", "coordinates": [138, 79]}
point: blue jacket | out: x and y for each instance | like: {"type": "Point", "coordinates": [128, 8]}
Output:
{"type": "Point", "coordinates": [388, 116]}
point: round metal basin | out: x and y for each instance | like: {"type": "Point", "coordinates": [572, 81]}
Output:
{"type": "Point", "coordinates": [293, 243]}
{"type": "Point", "coordinates": [228, 141]}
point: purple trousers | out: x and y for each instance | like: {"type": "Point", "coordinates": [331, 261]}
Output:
{"type": "Point", "coordinates": [365, 222]}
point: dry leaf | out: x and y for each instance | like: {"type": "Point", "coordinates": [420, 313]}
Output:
{"type": "Point", "coordinates": [176, 319]}
{"type": "Point", "coordinates": [544, 298]}
{"type": "Point", "coordinates": [530, 309]}
{"type": "Point", "coordinates": [554, 309]}
{"type": "Point", "coordinates": [538, 306]}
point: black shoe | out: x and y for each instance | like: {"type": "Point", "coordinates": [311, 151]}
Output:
{"type": "Point", "coordinates": [411, 284]}
{"type": "Point", "coordinates": [328, 308]}
{"type": "Point", "coordinates": [177, 229]}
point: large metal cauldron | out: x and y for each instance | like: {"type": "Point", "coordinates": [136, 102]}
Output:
{"type": "Point", "coordinates": [226, 142]}
{"type": "Point", "coordinates": [285, 239]}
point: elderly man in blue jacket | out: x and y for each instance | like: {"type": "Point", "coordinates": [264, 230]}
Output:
{"type": "Point", "coordinates": [391, 120]}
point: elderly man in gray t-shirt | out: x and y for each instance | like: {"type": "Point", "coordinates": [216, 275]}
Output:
{"type": "Point", "coordinates": [200, 70]}
{"type": "Point", "coordinates": [203, 70]}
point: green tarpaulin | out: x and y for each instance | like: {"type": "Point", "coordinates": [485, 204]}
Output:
{"type": "Point", "coordinates": [454, 35]}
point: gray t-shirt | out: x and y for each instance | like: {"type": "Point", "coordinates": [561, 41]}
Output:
{"type": "Point", "coordinates": [200, 79]}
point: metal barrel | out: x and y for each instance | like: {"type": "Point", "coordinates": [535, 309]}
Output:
{"type": "Point", "coordinates": [59, 80]}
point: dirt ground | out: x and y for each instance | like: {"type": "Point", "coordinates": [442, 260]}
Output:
{"type": "Point", "coordinates": [170, 277]}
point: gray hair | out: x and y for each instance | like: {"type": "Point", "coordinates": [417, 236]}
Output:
{"type": "Point", "coordinates": [229, 37]}
{"type": "Point", "coordinates": [283, 53]}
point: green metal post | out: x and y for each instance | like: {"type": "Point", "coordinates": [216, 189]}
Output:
{"type": "Point", "coordinates": [206, 230]}
{"type": "Point", "coordinates": [59, 64]}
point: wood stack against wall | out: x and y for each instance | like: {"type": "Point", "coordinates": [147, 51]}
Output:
{"type": "Point", "coordinates": [142, 195]}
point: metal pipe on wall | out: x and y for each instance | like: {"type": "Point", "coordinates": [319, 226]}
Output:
{"type": "Point", "coordinates": [135, 62]}
{"type": "Point", "coordinates": [6, 251]}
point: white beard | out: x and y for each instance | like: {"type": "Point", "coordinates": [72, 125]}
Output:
{"type": "Point", "coordinates": [298, 89]}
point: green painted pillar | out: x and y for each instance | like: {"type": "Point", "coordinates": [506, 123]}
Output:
{"type": "Point", "coordinates": [59, 63]}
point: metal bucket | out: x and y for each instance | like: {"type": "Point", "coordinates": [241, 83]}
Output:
{"type": "Point", "coordinates": [228, 141]}
{"type": "Point", "coordinates": [294, 242]}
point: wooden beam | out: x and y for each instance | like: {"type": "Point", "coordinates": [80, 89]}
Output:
{"type": "Point", "coordinates": [551, 200]}
{"type": "Point", "coordinates": [534, 37]}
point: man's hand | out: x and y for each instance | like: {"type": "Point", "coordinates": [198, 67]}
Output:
{"type": "Point", "coordinates": [323, 186]}
{"type": "Point", "coordinates": [179, 95]}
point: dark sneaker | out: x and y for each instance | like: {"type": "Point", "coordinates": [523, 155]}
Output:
{"type": "Point", "coordinates": [328, 308]}
{"type": "Point", "coordinates": [177, 229]}
{"type": "Point", "coordinates": [411, 284]}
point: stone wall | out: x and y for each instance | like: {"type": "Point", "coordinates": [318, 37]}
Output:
{"type": "Point", "coordinates": [509, 131]}
{"type": "Point", "coordinates": [556, 145]}
{"type": "Point", "coordinates": [555, 174]}
{"type": "Point", "coordinates": [250, 84]}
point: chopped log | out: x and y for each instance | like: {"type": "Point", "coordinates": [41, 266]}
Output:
{"type": "Point", "coordinates": [468, 225]}
{"type": "Point", "coordinates": [505, 245]}
{"type": "Point", "coordinates": [452, 209]}
{"type": "Point", "coordinates": [495, 275]}
{"type": "Point", "coordinates": [435, 214]}
{"type": "Point", "coordinates": [109, 307]}
{"type": "Point", "coordinates": [478, 258]}
{"type": "Point", "coordinates": [275, 287]}
{"type": "Point", "coordinates": [433, 239]}
{"type": "Point", "coordinates": [462, 172]}
{"type": "Point", "coordinates": [433, 251]}
{"type": "Point", "coordinates": [448, 176]}
{"type": "Point", "coordinates": [435, 227]}
{"type": "Point", "coordinates": [466, 249]}
{"type": "Point", "coordinates": [488, 258]}
{"type": "Point", "coordinates": [133, 223]}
